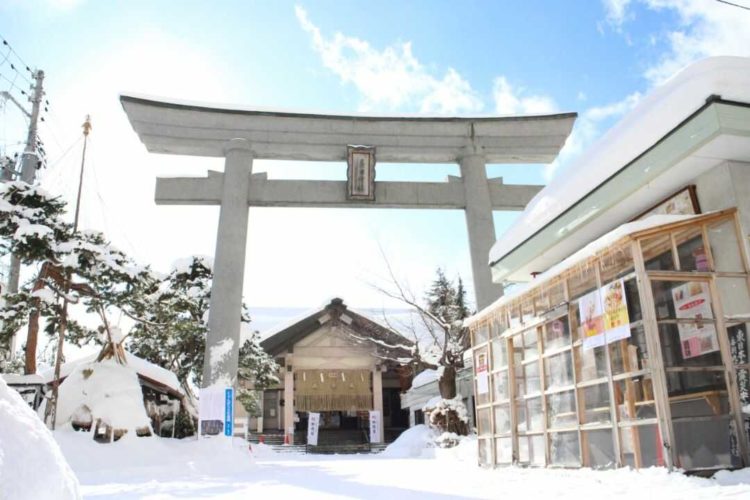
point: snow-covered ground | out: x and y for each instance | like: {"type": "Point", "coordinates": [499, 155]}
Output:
{"type": "Point", "coordinates": [160, 468]}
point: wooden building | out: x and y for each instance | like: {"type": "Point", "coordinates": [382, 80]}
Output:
{"type": "Point", "coordinates": [340, 363]}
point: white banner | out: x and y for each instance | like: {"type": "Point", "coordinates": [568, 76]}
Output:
{"type": "Point", "coordinates": [375, 436]}
{"type": "Point", "coordinates": [483, 382]}
{"type": "Point", "coordinates": [313, 423]}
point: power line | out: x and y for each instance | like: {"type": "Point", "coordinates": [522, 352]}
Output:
{"type": "Point", "coordinates": [20, 59]}
{"type": "Point", "coordinates": [746, 7]}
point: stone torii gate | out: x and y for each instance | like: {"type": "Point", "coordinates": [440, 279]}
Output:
{"type": "Point", "coordinates": [241, 135]}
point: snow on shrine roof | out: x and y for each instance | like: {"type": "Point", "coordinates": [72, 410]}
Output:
{"type": "Point", "coordinates": [142, 367]}
{"type": "Point", "coordinates": [584, 253]}
{"type": "Point", "coordinates": [652, 119]}
{"type": "Point", "coordinates": [188, 128]}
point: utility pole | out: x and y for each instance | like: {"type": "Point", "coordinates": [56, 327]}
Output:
{"type": "Point", "coordinates": [29, 162]}
{"type": "Point", "coordinates": [66, 286]}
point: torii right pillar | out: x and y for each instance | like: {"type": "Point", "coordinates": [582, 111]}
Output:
{"type": "Point", "coordinates": [480, 226]}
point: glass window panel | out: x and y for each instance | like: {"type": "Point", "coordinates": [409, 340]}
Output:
{"type": "Point", "coordinates": [657, 253]}
{"type": "Point", "coordinates": [592, 363]}
{"type": "Point", "coordinates": [530, 344]}
{"type": "Point", "coordinates": [483, 422]}
{"type": "Point", "coordinates": [641, 446]}
{"type": "Point", "coordinates": [615, 263]}
{"type": "Point", "coordinates": [561, 410]}
{"type": "Point", "coordinates": [634, 398]}
{"type": "Point", "coordinates": [481, 334]}
{"type": "Point", "coordinates": [564, 449]}
{"type": "Point", "coordinates": [556, 334]}
{"type": "Point", "coordinates": [531, 450]}
{"type": "Point", "coordinates": [527, 379]}
{"type": "Point", "coordinates": [633, 298]}
{"type": "Point", "coordinates": [527, 311]}
{"type": "Point", "coordinates": [559, 370]}
{"type": "Point", "coordinates": [554, 294]}
{"type": "Point", "coordinates": [691, 250]}
{"type": "Point", "coordinates": [515, 317]}
{"type": "Point", "coordinates": [501, 387]}
{"type": "Point", "coordinates": [630, 354]}
{"type": "Point", "coordinates": [499, 353]}
{"type": "Point", "coordinates": [504, 450]}
{"type": "Point", "coordinates": [502, 419]}
{"type": "Point", "coordinates": [500, 324]}
{"type": "Point", "coordinates": [530, 415]}
{"type": "Point", "coordinates": [485, 451]}
{"type": "Point", "coordinates": [724, 247]}
{"type": "Point", "coordinates": [735, 300]}
{"type": "Point", "coordinates": [689, 344]}
{"type": "Point", "coordinates": [595, 401]}
{"type": "Point", "coordinates": [598, 448]}
{"type": "Point", "coordinates": [697, 394]}
{"type": "Point", "coordinates": [702, 443]}
{"type": "Point", "coordinates": [582, 282]}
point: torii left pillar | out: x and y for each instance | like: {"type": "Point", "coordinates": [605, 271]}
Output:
{"type": "Point", "coordinates": [224, 315]}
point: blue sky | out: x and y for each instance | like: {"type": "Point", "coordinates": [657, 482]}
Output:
{"type": "Point", "coordinates": [437, 57]}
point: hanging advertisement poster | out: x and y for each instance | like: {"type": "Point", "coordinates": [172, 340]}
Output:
{"type": "Point", "coordinates": [313, 424]}
{"type": "Point", "coordinates": [604, 315]}
{"type": "Point", "coordinates": [592, 320]}
{"type": "Point", "coordinates": [616, 319]}
{"type": "Point", "coordinates": [483, 379]}
{"type": "Point", "coordinates": [693, 301]}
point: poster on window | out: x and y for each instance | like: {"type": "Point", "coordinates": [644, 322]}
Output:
{"type": "Point", "coordinates": [592, 320]}
{"type": "Point", "coordinates": [693, 301]}
{"type": "Point", "coordinates": [483, 379]}
{"type": "Point", "coordinates": [604, 315]}
{"type": "Point", "coordinates": [313, 424]}
{"type": "Point", "coordinates": [616, 319]}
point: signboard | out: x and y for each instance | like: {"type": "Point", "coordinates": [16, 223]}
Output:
{"type": "Point", "coordinates": [313, 424]}
{"type": "Point", "coordinates": [604, 315]}
{"type": "Point", "coordinates": [216, 410]}
{"type": "Point", "coordinates": [375, 436]}
{"type": "Point", "coordinates": [483, 385]}
{"type": "Point", "coordinates": [693, 301]}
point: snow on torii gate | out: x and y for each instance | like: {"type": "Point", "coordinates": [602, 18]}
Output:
{"type": "Point", "coordinates": [241, 135]}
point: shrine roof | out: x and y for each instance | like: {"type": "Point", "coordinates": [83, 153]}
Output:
{"type": "Point", "coordinates": [198, 129]}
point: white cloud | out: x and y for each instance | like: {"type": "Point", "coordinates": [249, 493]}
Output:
{"type": "Point", "coordinates": [705, 28]}
{"type": "Point", "coordinates": [512, 101]}
{"type": "Point", "coordinates": [392, 78]}
{"type": "Point", "coordinates": [617, 12]}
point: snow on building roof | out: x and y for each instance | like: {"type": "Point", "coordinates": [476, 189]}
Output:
{"type": "Point", "coordinates": [653, 118]}
{"type": "Point", "coordinates": [144, 368]}
{"type": "Point", "coordinates": [16, 379]}
{"type": "Point", "coordinates": [425, 377]}
{"type": "Point", "coordinates": [584, 253]}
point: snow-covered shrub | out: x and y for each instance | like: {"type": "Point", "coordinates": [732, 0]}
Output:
{"type": "Point", "coordinates": [31, 463]}
{"type": "Point", "coordinates": [105, 397]}
{"type": "Point", "coordinates": [448, 417]}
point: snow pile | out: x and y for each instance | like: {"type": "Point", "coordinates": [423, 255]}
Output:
{"type": "Point", "coordinates": [154, 459]}
{"type": "Point", "coordinates": [107, 391]}
{"type": "Point", "coordinates": [425, 377]}
{"type": "Point", "coordinates": [27, 451]}
{"type": "Point", "coordinates": [417, 442]}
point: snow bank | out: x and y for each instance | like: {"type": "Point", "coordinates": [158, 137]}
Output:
{"type": "Point", "coordinates": [27, 450]}
{"type": "Point", "coordinates": [417, 442]}
{"type": "Point", "coordinates": [107, 391]}
{"type": "Point", "coordinates": [154, 459]}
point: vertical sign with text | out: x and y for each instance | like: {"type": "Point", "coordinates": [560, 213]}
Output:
{"type": "Point", "coordinates": [375, 436]}
{"type": "Point", "coordinates": [313, 424]}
